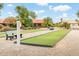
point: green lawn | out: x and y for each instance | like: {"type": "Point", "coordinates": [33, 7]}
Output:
{"type": "Point", "coordinates": [2, 34]}
{"type": "Point", "coordinates": [49, 39]}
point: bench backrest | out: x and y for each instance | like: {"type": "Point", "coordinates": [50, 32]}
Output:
{"type": "Point", "coordinates": [10, 33]}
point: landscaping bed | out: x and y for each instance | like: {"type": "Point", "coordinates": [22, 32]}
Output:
{"type": "Point", "coordinates": [49, 39]}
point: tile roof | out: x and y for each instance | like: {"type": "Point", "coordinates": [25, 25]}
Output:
{"type": "Point", "coordinates": [70, 21]}
{"type": "Point", "coordinates": [37, 21]}
{"type": "Point", "coordinates": [7, 21]}
{"type": "Point", "coordinates": [2, 21]}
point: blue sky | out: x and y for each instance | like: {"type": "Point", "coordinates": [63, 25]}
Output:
{"type": "Point", "coordinates": [53, 10]}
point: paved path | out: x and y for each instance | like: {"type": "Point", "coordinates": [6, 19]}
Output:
{"type": "Point", "coordinates": [67, 46]}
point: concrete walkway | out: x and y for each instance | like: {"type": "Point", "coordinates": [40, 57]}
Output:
{"type": "Point", "coordinates": [69, 45]}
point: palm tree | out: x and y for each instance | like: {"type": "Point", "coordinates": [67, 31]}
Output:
{"type": "Point", "coordinates": [1, 6]}
{"type": "Point", "coordinates": [77, 13]}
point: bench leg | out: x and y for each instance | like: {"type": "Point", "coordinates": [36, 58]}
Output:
{"type": "Point", "coordinates": [11, 37]}
{"type": "Point", "coordinates": [21, 35]}
{"type": "Point", "coordinates": [6, 37]}
{"type": "Point", "coordinates": [15, 36]}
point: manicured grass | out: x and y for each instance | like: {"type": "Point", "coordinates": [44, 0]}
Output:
{"type": "Point", "coordinates": [49, 39]}
{"type": "Point", "coordinates": [2, 34]}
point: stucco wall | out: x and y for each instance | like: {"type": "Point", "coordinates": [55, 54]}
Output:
{"type": "Point", "coordinates": [72, 26]}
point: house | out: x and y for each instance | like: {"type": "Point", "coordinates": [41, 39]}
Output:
{"type": "Point", "coordinates": [1, 21]}
{"type": "Point", "coordinates": [12, 20]}
{"type": "Point", "coordinates": [8, 21]}
{"type": "Point", "coordinates": [73, 24]}
{"type": "Point", "coordinates": [38, 22]}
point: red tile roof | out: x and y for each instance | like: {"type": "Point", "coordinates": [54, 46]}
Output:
{"type": "Point", "coordinates": [13, 20]}
{"type": "Point", "coordinates": [71, 21]}
{"type": "Point", "coordinates": [38, 21]}
{"type": "Point", "coordinates": [10, 20]}
{"type": "Point", "coordinates": [1, 21]}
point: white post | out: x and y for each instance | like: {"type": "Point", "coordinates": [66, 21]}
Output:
{"type": "Point", "coordinates": [18, 32]}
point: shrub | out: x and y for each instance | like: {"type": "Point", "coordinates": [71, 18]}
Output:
{"type": "Point", "coordinates": [27, 28]}
{"type": "Point", "coordinates": [66, 25]}
{"type": "Point", "coordinates": [1, 26]}
{"type": "Point", "coordinates": [6, 28]}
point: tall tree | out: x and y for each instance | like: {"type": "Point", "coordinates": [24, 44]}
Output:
{"type": "Point", "coordinates": [1, 6]}
{"type": "Point", "coordinates": [77, 13]}
{"type": "Point", "coordinates": [32, 14]}
{"type": "Point", "coordinates": [48, 22]}
{"type": "Point", "coordinates": [77, 16]}
{"type": "Point", "coordinates": [61, 20]}
{"type": "Point", "coordinates": [24, 14]}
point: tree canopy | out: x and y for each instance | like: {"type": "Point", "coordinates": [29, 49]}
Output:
{"type": "Point", "coordinates": [1, 6]}
{"type": "Point", "coordinates": [77, 13]}
{"type": "Point", "coordinates": [24, 14]}
{"type": "Point", "coordinates": [48, 22]}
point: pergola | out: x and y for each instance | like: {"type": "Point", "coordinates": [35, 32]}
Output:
{"type": "Point", "coordinates": [18, 31]}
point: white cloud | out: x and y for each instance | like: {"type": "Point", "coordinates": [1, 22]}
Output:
{"type": "Point", "coordinates": [50, 7]}
{"type": "Point", "coordinates": [61, 8]}
{"type": "Point", "coordinates": [35, 11]}
{"type": "Point", "coordinates": [10, 5]}
{"type": "Point", "coordinates": [44, 16]}
{"type": "Point", "coordinates": [10, 13]}
{"type": "Point", "coordinates": [39, 11]}
{"type": "Point", "coordinates": [59, 17]}
{"type": "Point", "coordinates": [65, 15]}
{"type": "Point", "coordinates": [42, 4]}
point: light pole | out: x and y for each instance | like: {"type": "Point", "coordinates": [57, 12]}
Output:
{"type": "Point", "coordinates": [18, 31]}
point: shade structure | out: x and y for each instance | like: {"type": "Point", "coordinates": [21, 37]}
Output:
{"type": "Point", "coordinates": [18, 32]}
